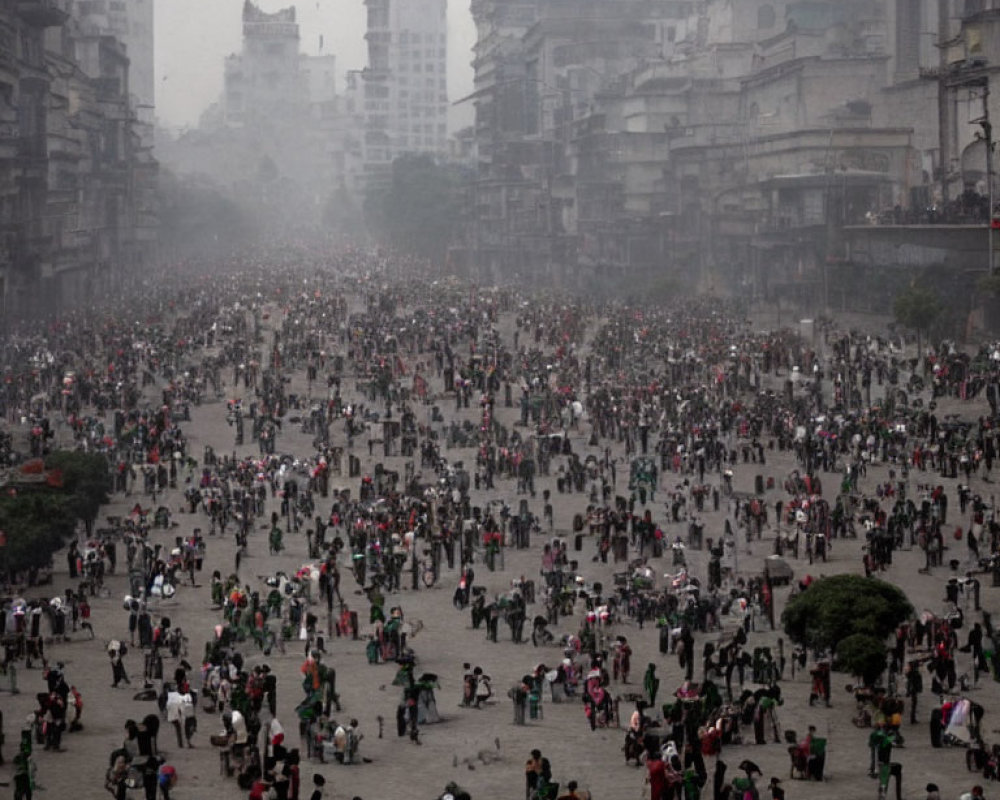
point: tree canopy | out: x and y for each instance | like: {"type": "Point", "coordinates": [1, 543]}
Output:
{"type": "Point", "coordinates": [419, 210]}
{"type": "Point", "coordinates": [38, 517]}
{"type": "Point", "coordinates": [36, 524]}
{"type": "Point", "coordinates": [917, 308]}
{"type": "Point", "coordinates": [862, 655]}
{"type": "Point", "coordinates": [835, 608]}
{"type": "Point", "coordinates": [86, 478]}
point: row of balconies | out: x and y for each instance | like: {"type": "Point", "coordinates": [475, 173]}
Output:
{"type": "Point", "coordinates": [41, 13]}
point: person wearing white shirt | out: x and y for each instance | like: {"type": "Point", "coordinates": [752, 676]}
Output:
{"type": "Point", "coordinates": [190, 718]}
{"type": "Point", "coordinates": [175, 714]}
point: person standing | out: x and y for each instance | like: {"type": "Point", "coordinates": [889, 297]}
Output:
{"type": "Point", "coordinates": [71, 560]}
{"type": "Point", "coordinates": [166, 777]}
{"type": "Point", "coordinates": [22, 776]}
{"type": "Point", "coordinates": [975, 646]}
{"type": "Point", "coordinates": [175, 714]}
{"type": "Point", "coordinates": [537, 773]}
{"type": "Point", "coordinates": [656, 775]}
{"type": "Point", "coordinates": [116, 652]}
{"type": "Point", "coordinates": [914, 686]}
{"type": "Point", "coordinates": [270, 690]}
{"type": "Point", "coordinates": [651, 684]}
{"type": "Point", "coordinates": [318, 783]}
{"type": "Point", "coordinates": [188, 705]}
{"type": "Point", "coordinates": [572, 793]}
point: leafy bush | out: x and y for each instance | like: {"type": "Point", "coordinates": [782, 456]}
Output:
{"type": "Point", "coordinates": [863, 656]}
{"type": "Point", "coordinates": [834, 608]}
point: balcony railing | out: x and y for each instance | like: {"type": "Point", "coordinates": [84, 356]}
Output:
{"type": "Point", "coordinates": [41, 13]}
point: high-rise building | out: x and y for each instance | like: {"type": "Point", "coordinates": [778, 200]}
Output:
{"type": "Point", "coordinates": [277, 141]}
{"type": "Point", "coordinates": [131, 22]}
{"type": "Point", "coordinates": [405, 82]}
{"type": "Point", "coordinates": [263, 81]}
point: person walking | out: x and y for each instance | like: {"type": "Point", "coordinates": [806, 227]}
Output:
{"type": "Point", "coordinates": [189, 707]}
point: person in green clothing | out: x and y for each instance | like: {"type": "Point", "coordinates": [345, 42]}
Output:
{"type": "Point", "coordinates": [880, 743]}
{"type": "Point", "coordinates": [22, 776]}
{"type": "Point", "coordinates": [275, 541]}
{"type": "Point", "coordinates": [651, 684]}
{"type": "Point", "coordinates": [768, 717]}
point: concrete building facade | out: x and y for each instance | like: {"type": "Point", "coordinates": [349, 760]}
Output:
{"type": "Point", "coordinates": [131, 23]}
{"type": "Point", "coordinates": [77, 186]}
{"type": "Point", "coordinates": [278, 142]}
{"type": "Point", "coordinates": [727, 143]}
{"type": "Point", "coordinates": [405, 83]}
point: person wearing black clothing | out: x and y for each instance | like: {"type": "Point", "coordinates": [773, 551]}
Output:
{"type": "Point", "coordinates": [537, 772]}
{"type": "Point", "coordinates": [150, 776]}
{"type": "Point", "coordinates": [975, 646]}
{"type": "Point", "coordinates": [914, 686]}
{"type": "Point", "coordinates": [270, 690]}
{"type": "Point", "coordinates": [318, 782]}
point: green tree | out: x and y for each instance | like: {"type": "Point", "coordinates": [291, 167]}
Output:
{"type": "Point", "coordinates": [36, 523]}
{"type": "Point", "coordinates": [419, 210]}
{"type": "Point", "coordinates": [197, 217]}
{"type": "Point", "coordinates": [38, 518]}
{"type": "Point", "coordinates": [989, 284]}
{"type": "Point", "coordinates": [862, 655]}
{"type": "Point", "coordinates": [834, 608]}
{"type": "Point", "coordinates": [86, 480]}
{"type": "Point", "coordinates": [917, 309]}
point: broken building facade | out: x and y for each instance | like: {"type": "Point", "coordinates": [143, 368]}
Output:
{"type": "Point", "coordinates": [728, 144]}
{"type": "Point", "coordinates": [278, 142]}
{"type": "Point", "coordinates": [77, 184]}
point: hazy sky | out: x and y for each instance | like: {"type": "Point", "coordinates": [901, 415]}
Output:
{"type": "Point", "coordinates": [194, 36]}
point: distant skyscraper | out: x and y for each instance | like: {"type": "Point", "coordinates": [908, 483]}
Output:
{"type": "Point", "coordinates": [405, 83]}
{"type": "Point", "coordinates": [263, 82]}
{"type": "Point", "coordinates": [276, 140]}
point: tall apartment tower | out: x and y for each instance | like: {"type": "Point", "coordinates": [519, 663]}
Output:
{"type": "Point", "coordinates": [405, 83]}
{"type": "Point", "coordinates": [263, 84]}
{"type": "Point", "coordinates": [131, 22]}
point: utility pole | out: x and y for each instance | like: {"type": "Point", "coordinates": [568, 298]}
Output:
{"type": "Point", "coordinates": [944, 98]}
{"type": "Point", "coordinates": [987, 126]}
{"type": "Point", "coordinates": [988, 136]}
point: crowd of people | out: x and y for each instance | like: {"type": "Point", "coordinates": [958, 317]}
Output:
{"type": "Point", "coordinates": [628, 452]}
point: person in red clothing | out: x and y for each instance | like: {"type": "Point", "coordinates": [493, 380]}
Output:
{"type": "Point", "coordinates": [294, 778]}
{"type": "Point", "coordinates": [259, 790]}
{"type": "Point", "coordinates": [656, 777]}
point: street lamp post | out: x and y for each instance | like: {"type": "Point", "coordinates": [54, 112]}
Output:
{"type": "Point", "coordinates": [988, 139]}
